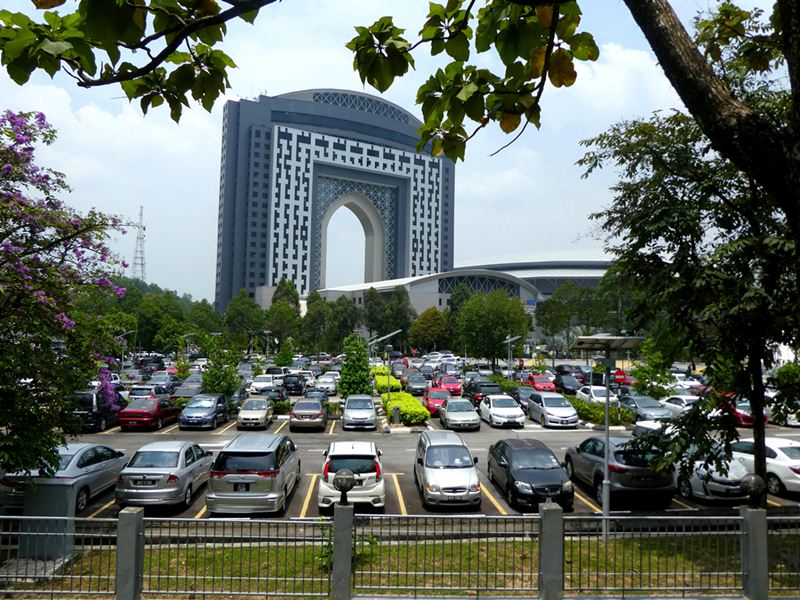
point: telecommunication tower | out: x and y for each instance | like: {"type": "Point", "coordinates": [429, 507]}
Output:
{"type": "Point", "coordinates": [138, 253]}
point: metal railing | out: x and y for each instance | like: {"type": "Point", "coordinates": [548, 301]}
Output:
{"type": "Point", "coordinates": [653, 554]}
{"type": "Point", "coordinates": [783, 551]}
{"type": "Point", "coordinates": [237, 557]}
{"type": "Point", "coordinates": [445, 555]}
{"type": "Point", "coordinates": [57, 556]}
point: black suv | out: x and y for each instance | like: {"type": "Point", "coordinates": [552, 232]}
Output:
{"type": "Point", "coordinates": [294, 385]}
{"type": "Point", "coordinates": [567, 384]}
{"type": "Point", "coordinates": [96, 409]}
{"type": "Point", "coordinates": [476, 391]}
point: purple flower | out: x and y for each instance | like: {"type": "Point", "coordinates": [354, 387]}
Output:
{"type": "Point", "coordinates": [66, 322]}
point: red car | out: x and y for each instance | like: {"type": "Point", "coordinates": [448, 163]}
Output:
{"type": "Point", "coordinates": [541, 383]}
{"type": "Point", "coordinates": [147, 413]}
{"type": "Point", "coordinates": [451, 384]}
{"type": "Point", "coordinates": [433, 398]}
{"type": "Point", "coordinates": [740, 408]}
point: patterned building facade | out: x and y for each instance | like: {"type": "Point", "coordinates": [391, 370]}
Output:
{"type": "Point", "coordinates": [289, 162]}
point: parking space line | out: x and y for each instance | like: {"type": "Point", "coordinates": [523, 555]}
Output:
{"type": "Point", "coordinates": [200, 513]}
{"type": "Point", "coordinates": [224, 429]}
{"type": "Point", "coordinates": [587, 502]}
{"type": "Point", "coordinates": [110, 431]}
{"type": "Point", "coordinates": [101, 509]}
{"type": "Point", "coordinates": [310, 491]}
{"type": "Point", "coordinates": [773, 503]}
{"type": "Point", "coordinates": [281, 426]}
{"type": "Point", "coordinates": [333, 425]}
{"type": "Point", "coordinates": [400, 499]}
{"type": "Point", "coordinates": [683, 504]}
{"type": "Point", "coordinates": [164, 431]}
{"type": "Point", "coordinates": [494, 501]}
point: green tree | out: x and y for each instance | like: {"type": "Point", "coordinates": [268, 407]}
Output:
{"type": "Point", "coordinates": [374, 310]}
{"type": "Point", "coordinates": [155, 311]}
{"type": "Point", "coordinates": [398, 314]}
{"type": "Point", "coordinates": [486, 320]}
{"type": "Point", "coordinates": [202, 316]}
{"type": "Point", "coordinates": [651, 372]}
{"type": "Point", "coordinates": [355, 377]}
{"type": "Point", "coordinates": [221, 378]}
{"type": "Point", "coordinates": [314, 322]}
{"type": "Point", "coordinates": [342, 319]}
{"type": "Point", "coordinates": [287, 292]}
{"type": "Point", "coordinates": [285, 355]}
{"type": "Point", "coordinates": [430, 330]}
{"type": "Point", "coordinates": [558, 314]}
{"type": "Point", "coordinates": [243, 320]}
{"type": "Point", "coordinates": [283, 321]}
{"type": "Point", "coordinates": [169, 337]}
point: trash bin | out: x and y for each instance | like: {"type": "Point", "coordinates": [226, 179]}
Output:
{"type": "Point", "coordinates": [396, 415]}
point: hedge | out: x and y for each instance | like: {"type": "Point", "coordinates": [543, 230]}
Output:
{"type": "Point", "coordinates": [380, 383]}
{"type": "Point", "coordinates": [379, 370]}
{"type": "Point", "coordinates": [595, 412]}
{"type": "Point", "coordinates": [281, 407]}
{"type": "Point", "coordinates": [505, 383]}
{"type": "Point", "coordinates": [411, 410]}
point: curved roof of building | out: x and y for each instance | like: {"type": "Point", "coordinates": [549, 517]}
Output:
{"type": "Point", "coordinates": [356, 100]}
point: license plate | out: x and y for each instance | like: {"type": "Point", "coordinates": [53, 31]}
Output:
{"type": "Point", "coordinates": [144, 483]}
{"type": "Point", "coordinates": [454, 498]}
{"type": "Point", "coordinates": [359, 482]}
{"type": "Point", "coordinates": [241, 487]}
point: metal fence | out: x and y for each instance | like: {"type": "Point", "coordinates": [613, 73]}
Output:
{"type": "Point", "coordinates": [445, 554]}
{"type": "Point", "coordinates": [57, 556]}
{"type": "Point", "coordinates": [237, 557]}
{"type": "Point", "coordinates": [783, 550]}
{"type": "Point", "coordinates": [653, 554]}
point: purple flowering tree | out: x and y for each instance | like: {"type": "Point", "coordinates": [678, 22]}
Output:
{"type": "Point", "coordinates": [49, 256]}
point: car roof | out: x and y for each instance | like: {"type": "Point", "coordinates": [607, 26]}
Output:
{"type": "Point", "coordinates": [776, 441]}
{"type": "Point", "coordinates": [359, 397]}
{"type": "Point", "coordinates": [165, 446]}
{"type": "Point", "coordinates": [548, 394]}
{"type": "Point", "coordinates": [253, 443]}
{"type": "Point", "coordinates": [498, 396]}
{"type": "Point", "coordinates": [74, 447]}
{"type": "Point", "coordinates": [444, 438]}
{"type": "Point", "coordinates": [352, 448]}
{"type": "Point", "coordinates": [525, 443]}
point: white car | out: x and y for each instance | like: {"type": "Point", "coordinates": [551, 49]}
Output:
{"type": "Point", "coordinates": [500, 410]}
{"type": "Point", "coordinates": [551, 410]}
{"type": "Point", "coordinates": [261, 383]}
{"type": "Point", "coordinates": [687, 383]}
{"type": "Point", "coordinates": [783, 462]}
{"type": "Point", "coordinates": [364, 460]}
{"type": "Point", "coordinates": [679, 403]}
{"type": "Point", "coordinates": [594, 393]}
{"type": "Point", "coordinates": [710, 483]}
{"type": "Point", "coordinates": [327, 383]}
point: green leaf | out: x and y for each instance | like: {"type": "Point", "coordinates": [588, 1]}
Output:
{"type": "Point", "coordinates": [584, 47]}
{"type": "Point", "coordinates": [14, 48]}
{"type": "Point", "coordinates": [182, 78]}
{"type": "Point", "coordinates": [467, 91]}
{"type": "Point", "coordinates": [457, 46]}
{"type": "Point", "coordinates": [55, 48]}
{"type": "Point", "coordinates": [249, 17]}
{"type": "Point", "coordinates": [178, 58]}
{"type": "Point", "coordinates": [475, 107]}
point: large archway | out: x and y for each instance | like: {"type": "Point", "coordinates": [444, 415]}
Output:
{"type": "Point", "coordinates": [374, 235]}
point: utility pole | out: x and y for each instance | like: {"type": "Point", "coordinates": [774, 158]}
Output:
{"type": "Point", "coordinates": [139, 271]}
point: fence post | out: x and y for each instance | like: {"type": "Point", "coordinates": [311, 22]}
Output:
{"type": "Point", "coordinates": [130, 553]}
{"type": "Point", "coordinates": [342, 552]}
{"type": "Point", "coordinates": [551, 551]}
{"type": "Point", "coordinates": [755, 567]}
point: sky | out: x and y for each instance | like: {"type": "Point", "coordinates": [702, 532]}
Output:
{"type": "Point", "coordinates": [527, 203]}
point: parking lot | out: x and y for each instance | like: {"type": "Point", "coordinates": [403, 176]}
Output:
{"type": "Point", "coordinates": [398, 458]}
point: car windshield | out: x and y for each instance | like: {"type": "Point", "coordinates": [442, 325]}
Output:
{"type": "Point", "coordinates": [64, 460]}
{"type": "Point", "coordinates": [357, 464]}
{"type": "Point", "coordinates": [534, 459]}
{"type": "Point", "coordinates": [417, 380]}
{"type": "Point", "coordinates": [307, 405]}
{"type": "Point", "coordinates": [254, 405]}
{"type": "Point", "coordinates": [460, 407]}
{"type": "Point", "coordinates": [326, 379]}
{"type": "Point", "coordinates": [448, 457]}
{"type": "Point", "coordinates": [262, 379]}
{"type": "Point", "coordinates": [634, 459]}
{"type": "Point", "coordinates": [147, 459]}
{"type": "Point", "coordinates": [793, 452]}
{"type": "Point", "coordinates": [359, 404]}
{"type": "Point", "coordinates": [439, 395]}
{"type": "Point", "coordinates": [85, 400]}
{"type": "Point", "coordinates": [201, 403]}
{"type": "Point", "coordinates": [569, 380]}
{"type": "Point", "coordinates": [503, 403]}
{"type": "Point", "coordinates": [194, 378]}
{"type": "Point", "coordinates": [541, 379]}
{"type": "Point", "coordinates": [646, 402]}
{"type": "Point", "coordinates": [140, 391]}
{"type": "Point", "coordinates": [525, 392]}
{"type": "Point", "coordinates": [142, 405]}
{"type": "Point", "coordinates": [556, 402]}
{"type": "Point", "coordinates": [449, 380]}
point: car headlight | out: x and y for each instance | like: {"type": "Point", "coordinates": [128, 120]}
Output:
{"type": "Point", "coordinates": [523, 487]}
{"type": "Point", "coordinates": [567, 486]}
{"type": "Point", "coordinates": [432, 487]}
{"type": "Point", "coordinates": [475, 487]}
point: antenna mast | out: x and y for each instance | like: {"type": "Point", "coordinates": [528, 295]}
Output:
{"type": "Point", "coordinates": [138, 254]}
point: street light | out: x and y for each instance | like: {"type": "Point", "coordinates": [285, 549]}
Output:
{"type": "Point", "coordinates": [607, 343]}
{"type": "Point", "coordinates": [510, 340]}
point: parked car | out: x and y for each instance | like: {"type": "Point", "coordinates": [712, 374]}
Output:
{"type": "Point", "coordinates": [426, 371]}
{"type": "Point", "coordinates": [541, 383]}
{"type": "Point", "coordinates": [90, 468]}
{"type": "Point", "coordinates": [783, 462]}
{"type": "Point", "coordinates": [551, 410]}
{"type": "Point", "coordinates": [529, 473]}
{"type": "Point", "coordinates": [327, 383]}
{"type": "Point", "coordinates": [709, 483]}
{"type": "Point", "coordinates": [451, 383]}
{"type": "Point", "coordinates": [595, 393]}
{"type": "Point", "coordinates": [255, 413]}
{"type": "Point", "coordinates": [740, 409]}
{"type": "Point", "coordinates": [522, 394]}
{"type": "Point", "coordinates": [677, 404]}
{"type": "Point", "coordinates": [407, 373]}
{"type": "Point", "coordinates": [134, 376]}
{"type": "Point", "coordinates": [168, 472]}
{"type": "Point", "coordinates": [238, 397]}
{"type": "Point", "coordinates": [308, 413]}
{"type": "Point", "coordinates": [416, 385]}
{"type": "Point", "coordinates": [629, 472]}
{"type": "Point", "coordinates": [434, 398]}
{"type": "Point", "coordinates": [294, 385]}
{"type": "Point", "coordinates": [500, 410]}
{"type": "Point", "coordinates": [445, 472]}
{"type": "Point", "coordinates": [153, 392]}
{"type": "Point", "coordinates": [359, 411]}
{"type": "Point", "coordinates": [253, 473]}
{"type": "Point", "coordinates": [364, 460]}
{"type": "Point", "coordinates": [164, 379]}
{"type": "Point", "coordinates": [204, 410]}
{"type": "Point", "coordinates": [477, 390]}
{"type": "Point", "coordinates": [645, 408]}
{"type": "Point", "coordinates": [316, 393]}
{"type": "Point", "coordinates": [151, 413]}
{"type": "Point", "coordinates": [567, 384]}
{"type": "Point", "coordinates": [457, 413]}
{"type": "Point", "coordinates": [261, 383]}
{"type": "Point", "coordinates": [96, 409]}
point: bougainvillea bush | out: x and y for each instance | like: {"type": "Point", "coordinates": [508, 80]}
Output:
{"type": "Point", "coordinates": [50, 255]}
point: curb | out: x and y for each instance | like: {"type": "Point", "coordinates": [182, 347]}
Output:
{"type": "Point", "coordinates": [595, 427]}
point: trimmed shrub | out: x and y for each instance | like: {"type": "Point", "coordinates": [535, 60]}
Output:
{"type": "Point", "coordinates": [281, 408]}
{"type": "Point", "coordinates": [334, 408]}
{"type": "Point", "coordinates": [411, 410]}
{"type": "Point", "coordinates": [379, 370]}
{"type": "Point", "coordinates": [595, 412]}
{"type": "Point", "coordinates": [381, 384]}
{"type": "Point", "coordinates": [505, 384]}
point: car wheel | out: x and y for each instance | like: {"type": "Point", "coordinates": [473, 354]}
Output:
{"type": "Point", "coordinates": [159, 424]}
{"type": "Point", "coordinates": [103, 424]}
{"type": "Point", "coordinates": [543, 421]}
{"type": "Point", "coordinates": [568, 468]}
{"type": "Point", "coordinates": [491, 474]}
{"type": "Point", "coordinates": [238, 428]}
{"type": "Point", "coordinates": [685, 488]}
{"type": "Point", "coordinates": [598, 493]}
{"type": "Point", "coordinates": [81, 500]}
{"type": "Point", "coordinates": [187, 496]}
{"type": "Point", "coordinates": [775, 485]}
{"type": "Point", "coordinates": [510, 498]}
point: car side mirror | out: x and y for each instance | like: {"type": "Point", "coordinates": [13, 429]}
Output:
{"type": "Point", "coordinates": [380, 452]}
{"type": "Point", "coordinates": [500, 461]}
{"type": "Point", "coordinates": [475, 460]}
{"type": "Point", "coordinates": [563, 464]}
{"type": "Point", "coordinates": [209, 453]}
{"type": "Point", "coordinates": [419, 461]}
{"type": "Point", "coordinates": [120, 454]}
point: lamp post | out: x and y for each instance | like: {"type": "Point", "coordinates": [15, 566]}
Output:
{"type": "Point", "coordinates": [122, 344]}
{"type": "Point", "coordinates": [389, 349]}
{"type": "Point", "coordinates": [510, 340]}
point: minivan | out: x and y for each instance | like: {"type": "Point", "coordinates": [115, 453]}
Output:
{"type": "Point", "coordinates": [445, 471]}
{"type": "Point", "coordinates": [253, 474]}
{"type": "Point", "coordinates": [96, 411]}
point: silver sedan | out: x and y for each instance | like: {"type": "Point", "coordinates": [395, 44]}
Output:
{"type": "Point", "coordinates": [457, 413]}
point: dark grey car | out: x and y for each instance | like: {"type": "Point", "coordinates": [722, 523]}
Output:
{"type": "Point", "coordinates": [645, 408]}
{"type": "Point", "coordinates": [204, 410]}
{"type": "Point", "coordinates": [416, 385]}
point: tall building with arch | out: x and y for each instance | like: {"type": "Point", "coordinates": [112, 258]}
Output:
{"type": "Point", "coordinates": [289, 162]}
